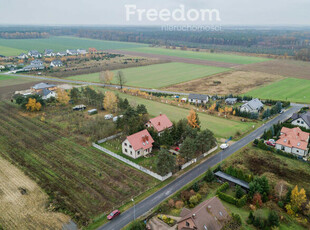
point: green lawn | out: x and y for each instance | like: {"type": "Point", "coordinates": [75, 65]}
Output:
{"type": "Point", "coordinates": [159, 75]}
{"type": "Point", "coordinates": [59, 44]}
{"type": "Point", "coordinates": [7, 80]}
{"type": "Point", "coordinates": [228, 58]}
{"type": "Point", "coordinates": [221, 127]}
{"type": "Point", "coordinates": [8, 51]}
{"type": "Point", "coordinates": [289, 89]}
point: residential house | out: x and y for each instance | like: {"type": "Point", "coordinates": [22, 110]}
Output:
{"type": "Point", "coordinates": [293, 141]}
{"type": "Point", "coordinates": [61, 54]}
{"type": "Point", "coordinates": [92, 50]}
{"type": "Point", "coordinates": [223, 177]}
{"type": "Point", "coordinates": [46, 94]}
{"type": "Point", "coordinates": [81, 51]}
{"type": "Point", "coordinates": [22, 56]}
{"type": "Point", "coordinates": [231, 101]}
{"type": "Point", "coordinates": [34, 54]}
{"type": "Point", "coordinates": [138, 144]}
{"type": "Point", "coordinates": [253, 106]}
{"type": "Point", "coordinates": [209, 215]}
{"type": "Point", "coordinates": [2, 67]}
{"type": "Point", "coordinates": [40, 86]}
{"type": "Point", "coordinates": [34, 65]}
{"type": "Point", "coordinates": [56, 63]}
{"type": "Point", "coordinates": [49, 53]}
{"type": "Point", "coordinates": [36, 62]}
{"type": "Point", "coordinates": [198, 98]}
{"type": "Point", "coordinates": [302, 120]}
{"type": "Point", "coordinates": [72, 52]}
{"type": "Point", "coordinates": [160, 123]}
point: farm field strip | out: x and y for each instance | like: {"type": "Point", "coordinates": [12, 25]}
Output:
{"type": "Point", "coordinates": [82, 179]}
{"type": "Point", "coordinates": [62, 43]}
{"type": "Point", "coordinates": [8, 51]}
{"type": "Point", "coordinates": [289, 89]}
{"type": "Point", "coordinates": [227, 58]}
{"type": "Point", "coordinates": [158, 75]}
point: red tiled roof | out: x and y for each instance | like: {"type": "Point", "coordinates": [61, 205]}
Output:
{"type": "Point", "coordinates": [161, 122]}
{"type": "Point", "coordinates": [293, 138]}
{"type": "Point", "coordinates": [141, 140]}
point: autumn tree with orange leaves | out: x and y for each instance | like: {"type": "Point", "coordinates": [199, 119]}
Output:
{"type": "Point", "coordinates": [193, 119]}
{"type": "Point", "coordinates": [62, 96]}
{"type": "Point", "coordinates": [33, 105]}
{"type": "Point", "coordinates": [110, 102]}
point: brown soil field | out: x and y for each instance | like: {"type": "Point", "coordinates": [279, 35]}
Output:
{"type": "Point", "coordinates": [286, 68]}
{"type": "Point", "coordinates": [176, 59]}
{"type": "Point", "coordinates": [28, 210]}
{"type": "Point", "coordinates": [233, 82]}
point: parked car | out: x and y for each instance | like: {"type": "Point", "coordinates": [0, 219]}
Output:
{"type": "Point", "coordinates": [224, 146]}
{"type": "Point", "coordinates": [270, 144]}
{"type": "Point", "coordinates": [177, 149]}
{"type": "Point", "coordinates": [113, 214]}
{"type": "Point", "coordinates": [108, 116]}
{"type": "Point", "coordinates": [272, 141]}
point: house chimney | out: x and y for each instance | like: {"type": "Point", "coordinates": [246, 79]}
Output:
{"type": "Point", "coordinates": [298, 134]}
{"type": "Point", "coordinates": [160, 114]}
{"type": "Point", "coordinates": [289, 142]}
{"type": "Point", "coordinates": [194, 215]}
{"type": "Point", "coordinates": [147, 137]}
{"type": "Point", "coordinates": [159, 123]}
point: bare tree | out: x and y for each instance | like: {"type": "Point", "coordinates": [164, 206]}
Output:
{"type": "Point", "coordinates": [106, 77]}
{"type": "Point", "coordinates": [121, 78]}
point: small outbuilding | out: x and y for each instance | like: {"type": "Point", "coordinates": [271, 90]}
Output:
{"type": "Point", "coordinates": [233, 181]}
{"type": "Point", "coordinates": [92, 111]}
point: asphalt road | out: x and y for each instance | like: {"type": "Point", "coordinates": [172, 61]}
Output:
{"type": "Point", "coordinates": [156, 198]}
{"type": "Point", "coordinates": [92, 83]}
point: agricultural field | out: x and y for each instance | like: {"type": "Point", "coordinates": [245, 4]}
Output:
{"type": "Point", "coordinates": [289, 89]}
{"type": "Point", "coordinates": [286, 68]}
{"type": "Point", "coordinates": [228, 58]}
{"type": "Point", "coordinates": [221, 127]}
{"type": "Point", "coordinates": [232, 82]}
{"type": "Point", "coordinates": [80, 180]}
{"type": "Point", "coordinates": [13, 47]}
{"type": "Point", "coordinates": [23, 203]}
{"type": "Point", "coordinates": [159, 75]}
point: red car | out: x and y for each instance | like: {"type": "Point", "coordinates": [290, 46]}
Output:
{"type": "Point", "coordinates": [113, 214]}
{"type": "Point", "coordinates": [177, 149]}
{"type": "Point", "coordinates": [270, 144]}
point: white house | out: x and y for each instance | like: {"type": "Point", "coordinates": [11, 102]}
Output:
{"type": "Point", "coordinates": [138, 144]}
{"type": "Point", "coordinates": [56, 63]}
{"type": "Point", "coordinates": [302, 120]}
{"type": "Point", "coordinates": [198, 98]}
{"type": "Point", "coordinates": [231, 100]}
{"type": "Point", "coordinates": [253, 106]}
{"type": "Point", "coordinates": [49, 53]}
{"type": "Point", "coordinates": [72, 52]}
{"type": "Point", "coordinates": [34, 53]}
{"type": "Point", "coordinates": [293, 141]}
{"type": "Point", "coordinates": [81, 51]}
{"type": "Point", "coordinates": [22, 56]}
{"type": "Point", "coordinates": [46, 94]}
{"type": "Point", "coordinates": [61, 54]}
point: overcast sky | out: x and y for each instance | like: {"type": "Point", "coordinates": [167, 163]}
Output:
{"type": "Point", "coordinates": [113, 12]}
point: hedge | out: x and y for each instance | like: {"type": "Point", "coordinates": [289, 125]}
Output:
{"type": "Point", "coordinates": [228, 198]}
{"type": "Point", "coordinates": [242, 201]}
{"type": "Point", "coordinates": [223, 187]}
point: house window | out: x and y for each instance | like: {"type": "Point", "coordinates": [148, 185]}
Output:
{"type": "Point", "coordinates": [297, 151]}
{"type": "Point", "coordinates": [138, 152]}
{"type": "Point", "coordinates": [187, 224]}
{"type": "Point", "coordinates": [302, 122]}
{"type": "Point", "coordinates": [125, 144]}
{"type": "Point", "coordinates": [282, 148]}
{"type": "Point", "coordinates": [131, 152]}
{"type": "Point", "coordinates": [130, 146]}
{"type": "Point", "coordinates": [126, 150]}
{"type": "Point", "coordinates": [298, 121]}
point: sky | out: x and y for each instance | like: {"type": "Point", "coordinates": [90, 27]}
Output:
{"type": "Point", "coordinates": [113, 12]}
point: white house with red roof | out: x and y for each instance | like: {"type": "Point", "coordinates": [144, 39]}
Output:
{"type": "Point", "coordinates": [138, 144]}
{"type": "Point", "coordinates": [160, 123]}
{"type": "Point", "coordinates": [293, 141]}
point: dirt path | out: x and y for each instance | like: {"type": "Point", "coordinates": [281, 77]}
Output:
{"type": "Point", "coordinates": [24, 211]}
{"type": "Point", "coordinates": [176, 59]}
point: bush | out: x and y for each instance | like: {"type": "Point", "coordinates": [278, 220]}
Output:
{"type": "Point", "coordinates": [209, 177]}
{"type": "Point", "coordinates": [281, 204]}
{"type": "Point", "coordinates": [136, 225]}
{"type": "Point", "coordinates": [223, 187]}
{"type": "Point", "coordinates": [242, 201]}
{"type": "Point", "coordinates": [273, 219]}
{"type": "Point", "coordinates": [196, 187]}
{"type": "Point", "coordinates": [227, 198]}
{"type": "Point", "coordinates": [239, 192]}
{"type": "Point", "coordinates": [179, 204]}
{"type": "Point", "coordinates": [171, 203]}
{"type": "Point", "coordinates": [237, 218]}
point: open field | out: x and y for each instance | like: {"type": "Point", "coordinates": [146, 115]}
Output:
{"type": "Point", "coordinates": [24, 211]}
{"type": "Point", "coordinates": [273, 166]}
{"type": "Point", "coordinates": [79, 180]}
{"type": "Point", "coordinates": [159, 75]}
{"type": "Point", "coordinates": [8, 80]}
{"type": "Point", "coordinates": [60, 44]}
{"type": "Point", "coordinates": [233, 82]}
{"type": "Point", "coordinates": [289, 89]}
{"type": "Point", "coordinates": [286, 68]}
{"type": "Point", "coordinates": [228, 58]}
{"type": "Point", "coordinates": [8, 51]}
{"type": "Point", "coordinates": [221, 127]}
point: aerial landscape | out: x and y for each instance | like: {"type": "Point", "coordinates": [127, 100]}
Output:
{"type": "Point", "coordinates": [155, 115]}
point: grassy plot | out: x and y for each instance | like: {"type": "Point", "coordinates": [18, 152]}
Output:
{"type": "Point", "coordinates": [8, 51]}
{"type": "Point", "coordinates": [221, 127]}
{"type": "Point", "coordinates": [289, 89]}
{"type": "Point", "coordinates": [228, 58]}
{"type": "Point", "coordinates": [80, 181]}
{"type": "Point", "coordinates": [61, 44]}
{"type": "Point", "coordinates": [159, 75]}
{"type": "Point", "coordinates": [7, 80]}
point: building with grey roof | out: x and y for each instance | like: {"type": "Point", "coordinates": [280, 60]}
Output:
{"type": "Point", "coordinates": [231, 180]}
{"type": "Point", "coordinates": [198, 98]}
{"type": "Point", "coordinates": [253, 106]}
{"type": "Point", "coordinates": [301, 119]}
{"type": "Point", "coordinates": [231, 101]}
{"type": "Point", "coordinates": [34, 53]}
{"type": "Point", "coordinates": [56, 63]}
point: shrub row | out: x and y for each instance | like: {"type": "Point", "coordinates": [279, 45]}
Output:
{"type": "Point", "coordinates": [228, 198]}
